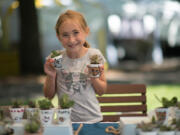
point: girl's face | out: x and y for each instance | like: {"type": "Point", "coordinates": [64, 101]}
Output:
{"type": "Point", "coordinates": [72, 36]}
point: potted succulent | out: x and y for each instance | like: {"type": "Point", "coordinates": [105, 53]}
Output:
{"type": "Point", "coordinates": [95, 65]}
{"type": "Point", "coordinates": [32, 108]}
{"type": "Point", "coordinates": [166, 130]}
{"type": "Point", "coordinates": [163, 112]}
{"type": "Point", "coordinates": [64, 112]}
{"type": "Point", "coordinates": [17, 111]}
{"type": "Point", "coordinates": [33, 125]}
{"type": "Point", "coordinates": [46, 111]}
{"type": "Point", "coordinates": [56, 55]}
{"type": "Point", "coordinates": [149, 128]}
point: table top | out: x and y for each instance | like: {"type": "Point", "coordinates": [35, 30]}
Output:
{"type": "Point", "coordinates": [95, 128]}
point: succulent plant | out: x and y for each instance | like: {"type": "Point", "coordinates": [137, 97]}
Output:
{"type": "Point", "coordinates": [150, 126]}
{"type": "Point", "coordinates": [95, 59]}
{"type": "Point", "coordinates": [45, 104]}
{"type": "Point", "coordinates": [65, 102]}
{"type": "Point", "coordinates": [166, 102]}
{"type": "Point", "coordinates": [55, 53]}
{"type": "Point", "coordinates": [165, 128]}
{"type": "Point", "coordinates": [32, 104]}
{"type": "Point", "coordinates": [33, 124]}
{"type": "Point", "coordinates": [16, 103]}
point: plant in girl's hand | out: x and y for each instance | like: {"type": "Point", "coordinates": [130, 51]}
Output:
{"type": "Point", "coordinates": [95, 59]}
{"type": "Point", "coordinates": [55, 53]}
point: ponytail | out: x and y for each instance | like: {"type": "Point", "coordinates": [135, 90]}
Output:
{"type": "Point", "coordinates": [86, 44]}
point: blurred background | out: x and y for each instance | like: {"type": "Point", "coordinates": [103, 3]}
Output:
{"type": "Point", "coordinates": [139, 38]}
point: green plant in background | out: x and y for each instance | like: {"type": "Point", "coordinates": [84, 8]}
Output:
{"type": "Point", "coordinates": [17, 103]}
{"type": "Point", "coordinates": [45, 104]}
{"type": "Point", "coordinates": [55, 53]}
{"type": "Point", "coordinates": [150, 126]}
{"type": "Point", "coordinates": [165, 128]}
{"type": "Point", "coordinates": [33, 124]}
{"type": "Point", "coordinates": [31, 104]}
{"type": "Point", "coordinates": [166, 102]}
{"type": "Point", "coordinates": [65, 102]}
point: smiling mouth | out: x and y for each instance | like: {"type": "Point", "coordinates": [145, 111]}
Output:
{"type": "Point", "coordinates": [73, 45]}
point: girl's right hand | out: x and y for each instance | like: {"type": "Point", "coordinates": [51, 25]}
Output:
{"type": "Point", "coordinates": [49, 68]}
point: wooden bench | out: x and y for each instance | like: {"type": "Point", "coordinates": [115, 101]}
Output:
{"type": "Point", "coordinates": [123, 100]}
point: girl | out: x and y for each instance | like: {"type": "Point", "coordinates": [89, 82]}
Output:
{"type": "Point", "coordinates": [73, 78]}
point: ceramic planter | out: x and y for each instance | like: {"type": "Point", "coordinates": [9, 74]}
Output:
{"type": "Point", "coordinates": [95, 70]}
{"type": "Point", "coordinates": [17, 114]}
{"type": "Point", "coordinates": [58, 62]}
{"type": "Point", "coordinates": [46, 117]}
{"type": "Point", "coordinates": [166, 133]}
{"type": "Point", "coordinates": [147, 132]}
{"type": "Point", "coordinates": [64, 116]}
{"type": "Point", "coordinates": [162, 114]}
{"type": "Point", "coordinates": [31, 111]}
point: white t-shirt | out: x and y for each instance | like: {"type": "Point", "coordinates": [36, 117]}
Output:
{"type": "Point", "coordinates": [73, 79]}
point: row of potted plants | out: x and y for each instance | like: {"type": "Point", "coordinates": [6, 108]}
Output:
{"type": "Point", "coordinates": [157, 128]}
{"type": "Point", "coordinates": [166, 120]}
{"type": "Point", "coordinates": [40, 113]}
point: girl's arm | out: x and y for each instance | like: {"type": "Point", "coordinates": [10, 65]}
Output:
{"type": "Point", "coordinates": [100, 84]}
{"type": "Point", "coordinates": [50, 82]}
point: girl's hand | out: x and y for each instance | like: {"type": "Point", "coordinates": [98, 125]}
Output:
{"type": "Point", "coordinates": [49, 68]}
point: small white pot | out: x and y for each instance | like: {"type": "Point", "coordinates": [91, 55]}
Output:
{"type": "Point", "coordinates": [95, 70]}
{"type": "Point", "coordinates": [17, 114]}
{"type": "Point", "coordinates": [64, 116]}
{"type": "Point", "coordinates": [162, 114]}
{"type": "Point", "coordinates": [31, 112]}
{"type": "Point", "coordinates": [147, 133]}
{"type": "Point", "coordinates": [46, 117]}
{"type": "Point", "coordinates": [166, 133]}
{"type": "Point", "coordinates": [58, 62]}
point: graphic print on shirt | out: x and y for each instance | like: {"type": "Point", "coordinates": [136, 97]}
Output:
{"type": "Point", "coordinates": [75, 82]}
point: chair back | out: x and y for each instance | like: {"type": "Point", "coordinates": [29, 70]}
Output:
{"type": "Point", "coordinates": [123, 100]}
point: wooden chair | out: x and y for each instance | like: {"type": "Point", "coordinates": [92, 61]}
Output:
{"type": "Point", "coordinates": [123, 100]}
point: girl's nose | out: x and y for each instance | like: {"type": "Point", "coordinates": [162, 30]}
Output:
{"type": "Point", "coordinates": [71, 38]}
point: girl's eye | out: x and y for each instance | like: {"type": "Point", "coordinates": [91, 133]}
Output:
{"type": "Point", "coordinates": [65, 35]}
{"type": "Point", "coordinates": [76, 32]}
